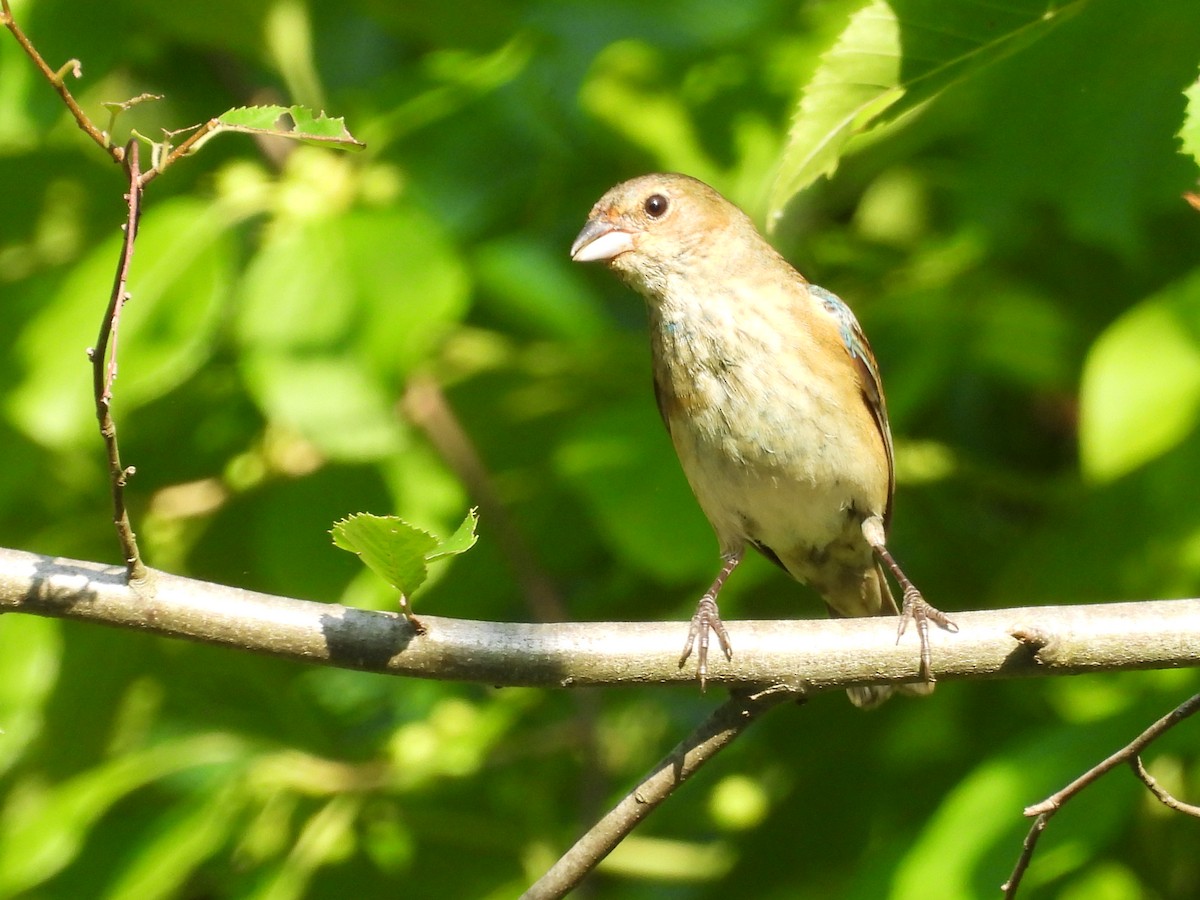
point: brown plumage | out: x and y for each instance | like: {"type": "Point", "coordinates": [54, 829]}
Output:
{"type": "Point", "coordinates": [772, 399]}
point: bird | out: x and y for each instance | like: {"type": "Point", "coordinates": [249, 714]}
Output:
{"type": "Point", "coordinates": [773, 401]}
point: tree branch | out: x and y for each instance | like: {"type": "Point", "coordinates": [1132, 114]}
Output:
{"type": "Point", "coordinates": [810, 654]}
{"type": "Point", "coordinates": [713, 735]}
{"type": "Point", "coordinates": [1129, 754]}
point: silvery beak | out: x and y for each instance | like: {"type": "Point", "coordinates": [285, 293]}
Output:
{"type": "Point", "coordinates": [600, 240]}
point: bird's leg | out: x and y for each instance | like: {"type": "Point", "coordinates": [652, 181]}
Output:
{"type": "Point", "coordinates": [708, 619]}
{"type": "Point", "coordinates": [915, 607]}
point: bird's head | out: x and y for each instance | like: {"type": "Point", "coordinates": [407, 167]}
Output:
{"type": "Point", "coordinates": [656, 228]}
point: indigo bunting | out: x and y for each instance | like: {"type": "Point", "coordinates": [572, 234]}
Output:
{"type": "Point", "coordinates": [772, 399]}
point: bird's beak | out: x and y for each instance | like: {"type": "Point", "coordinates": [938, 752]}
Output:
{"type": "Point", "coordinates": [600, 240]}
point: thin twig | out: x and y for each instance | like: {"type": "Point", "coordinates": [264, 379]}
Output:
{"type": "Point", "coordinates": [713, 735]}
{"type": "Point", "coordinates": [1128, 754]}
{"type": "Point", "coordinates": [104, 367]}
{"type": "Point", "coordinates": [201, 132]}
{"type": "Point", "coordinates": [1011, 886]}
{"type": "Point", "coordinates": [58, 82]}
{"type": "Point", "coordinates": [1164, 796]}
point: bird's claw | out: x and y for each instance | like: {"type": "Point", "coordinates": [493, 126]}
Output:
{"type": "Point", "coordinates": [917, 609]}
{"type": "Point", "coordinates": [706, 620]}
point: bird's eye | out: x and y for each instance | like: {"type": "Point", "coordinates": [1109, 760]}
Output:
{"type": "Point", "coordinates": [655, 205]}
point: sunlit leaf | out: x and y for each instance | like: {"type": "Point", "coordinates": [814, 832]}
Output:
{"type": "Point", "coordinates": [892, 57]}
{"type": "Point", "coordinates": [332, 402]}
{"type": "Point", "coordinates": [397, 551]}
{"type": "Point", "coordinates": [295, 122]}
{"type": "Point", "coordinates": [461, 541]}
{"type": "Point", "coordinates": [391, 547]}
{"type": "Point", "coordinates": [1141, 383]}
{"type": "Point", "coordinates": [1190, 132]}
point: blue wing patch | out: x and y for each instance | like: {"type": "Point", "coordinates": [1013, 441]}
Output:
{"type": "Point", "coordinates": [856, 345]}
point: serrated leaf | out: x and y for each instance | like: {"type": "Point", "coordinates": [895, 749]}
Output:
{"type": "Point", "coordinates": [890, 58]}
{"type": "Point", "coordinates": [1190, 132]}
{"type": "Point", "coordinates": [389, 546]}
{"type": "Point", "coordinates": [397, 551]}
{"type": "Point", "coordinates": [296, 122]}
{"type": "Point", "coordinates": [461, 541]}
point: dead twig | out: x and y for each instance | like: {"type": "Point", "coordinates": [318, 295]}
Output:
{"type": "Point", "coordinates": [1129, 754]}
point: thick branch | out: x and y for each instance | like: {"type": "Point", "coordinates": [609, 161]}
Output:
{"type": "Point", "coordinates": [809, 654]}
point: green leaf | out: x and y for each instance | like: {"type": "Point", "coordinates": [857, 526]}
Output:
{"type": "Point", "coordinates": [1140, 393]}
{"type": "Point", "coordinates": [331, 313]}
{"type": "Point", "coordinates": [461, 541]}
{"type": "Point", "coordinates": [891, 58]}
{"type": "Point", "coordinates": [332, 402]}
{"type": "Point", "coordinates": [397, 551]}
{"type": "Point", "coordinates": [296, 122]}
{"type": "Point", "coordinates": [43, 827]}
{"type": "Point", "coordinates": [391, 547]}
{"type": "Point", "coordinates": [1190, 132]}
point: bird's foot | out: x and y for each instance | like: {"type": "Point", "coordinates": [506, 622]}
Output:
{"type": "Point", "coordinates": [706, 621]}
{"type": "Point", "coordinates": [917, 609]}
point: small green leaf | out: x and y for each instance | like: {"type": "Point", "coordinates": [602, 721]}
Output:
{"type": "Point", "coordinates": [397, 551]}
{"type": "Point", "coordinates": [296, 122]}
{"type": "Point", "coordinates": [461, 541]}
{"type": "Point", "coordinates": [389, 546]}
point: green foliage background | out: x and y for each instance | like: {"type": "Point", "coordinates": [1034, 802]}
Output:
{"type": "Point", "coordinates": [1012, 235]}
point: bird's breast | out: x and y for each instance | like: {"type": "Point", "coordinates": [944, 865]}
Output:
{"type": "Point", "coordinates": [776, 451]}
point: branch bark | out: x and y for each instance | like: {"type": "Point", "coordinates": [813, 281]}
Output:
{"type": "Point", "coordinates": [808, 655]}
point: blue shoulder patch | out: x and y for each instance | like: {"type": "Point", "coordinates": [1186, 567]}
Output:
{"type": "Point", "coordinates": [848, 326]}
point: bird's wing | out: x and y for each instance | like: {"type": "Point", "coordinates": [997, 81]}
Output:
{"type": "Point", "coordinates": [856, 345]}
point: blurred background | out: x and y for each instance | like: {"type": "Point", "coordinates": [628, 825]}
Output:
{"type": "Point", "coordinates": [315, 333]}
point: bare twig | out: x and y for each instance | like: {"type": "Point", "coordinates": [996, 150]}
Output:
{"type": "Point", "coordinates": [57, 81]}
{"type": "Point", "coordinates": [1129, 754]}
{"type": "Point", "coordinates": [104, 367]}
{"type": "Point", "coordinates": [103, 356]}
{"type": "Point", "coordinates": [713, 735]}
{"type": "Point", "coordinates": [1164, 796]}
{"type": "Point", "coordinates": [202, 131]}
